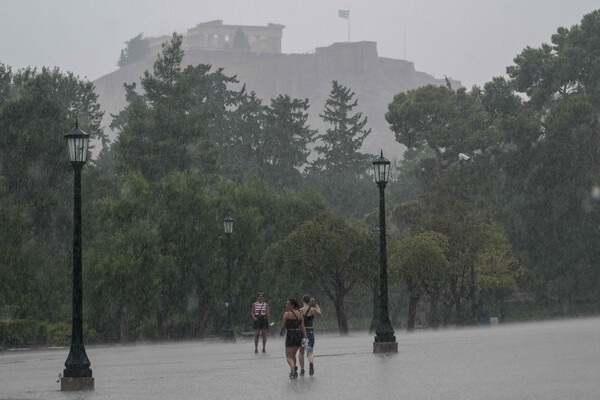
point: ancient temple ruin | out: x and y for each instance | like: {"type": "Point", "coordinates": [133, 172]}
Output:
{"type": "Point", "coordinates": [265, 70]}
{"type": "Point", "coordinates": [215, 35]}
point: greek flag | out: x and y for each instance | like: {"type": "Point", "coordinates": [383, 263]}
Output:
{"type": "Point", "coordinates": [344, 14]}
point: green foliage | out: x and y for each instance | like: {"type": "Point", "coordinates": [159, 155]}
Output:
{"type": "Point", "coordinates": [242, 138]}
{"type": "Point", "coordinates": [551, 162]}
{"type": "Point", "coordinates": [157, 267]}
{"type": "Point", "coordinates": [6, 86]}
{"type": "Point", "coordinates": [340, 173]}
{"type": "Point", "coordinates": [19, 333]}
{"type": "Point", "coordinates": [567, 66]}
{"type": "Point", "coordinates": [262, 216]}
{"type": "Point", "coordinates": [22, 333]}
{"type": "Point", "coordinates": [330, 253]}
{"type": "Point", "coordinates": [122, 263]}
{"type": "Point", "coordinates": [137, 49]}
{"type": "Point", "coordinates": [173, 126]}
{"type": "Point", "coordinates": [286, 137]}
{"type": "Point", "coordinates": [35, 186]}
{"type": "Point", "coordinates": [522, 213]}
{"type": "Point", "coordinates": [476, 242]}
{"type": "Point", "coordinates": [420, 261]}
{"type": "Point", "coordinates": [534, 161]}
{"type": "Point", "coordinates": [341, 143]}
{"type": "Point", "coordinates": [60, 333]}
{"type": "Point", "coordinates": [447, 123]}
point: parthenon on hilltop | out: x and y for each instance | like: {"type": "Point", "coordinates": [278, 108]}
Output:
{"type": "Point", "coordinates": [252, 54]}
{"type": "Point", "coordinates": [215, 35]}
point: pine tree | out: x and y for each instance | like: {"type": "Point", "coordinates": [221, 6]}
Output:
{"type": "Point", "coordinates": [341, 143]}
{"type": "Point", "coordinates": [340, 173]}
{"type": "Point", "coordinates": [285, 141]}
{"type": "Point", "coordinates": [175, 123]}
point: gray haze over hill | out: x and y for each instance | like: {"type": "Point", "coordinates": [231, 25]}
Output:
{"type": "Point", "coordinates": [357, 65]}
{"type": "Point", "coordinates": [470, 41]}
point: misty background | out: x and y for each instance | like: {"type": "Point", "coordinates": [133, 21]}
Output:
{"type": "Point", "coordinates": [512, 229]}
{"type": "Point", "coordinates": [467, 40]}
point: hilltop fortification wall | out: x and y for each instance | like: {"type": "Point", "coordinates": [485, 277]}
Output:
{"type": "Point", "coordinates": [357, 65]}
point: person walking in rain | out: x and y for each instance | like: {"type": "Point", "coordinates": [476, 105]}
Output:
{"type": "Point", "coordinates": [293, 325]}
{"type": "Point", "coordinates": [309, 309]}
{"type": "Point", "coordinates": [261, 316]}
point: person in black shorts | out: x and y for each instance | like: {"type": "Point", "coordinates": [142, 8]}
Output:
{"type": "Point", "coordinates": [261, 316]}
{"type": "Point", "coordinates": [293, 325]}
{"type": "Point", "coordinates": [309, 310]}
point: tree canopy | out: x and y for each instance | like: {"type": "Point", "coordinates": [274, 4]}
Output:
{"type": "Point", "coordinates": [136, 50]}
{"type": "Point", "coordinates": [331, 254]}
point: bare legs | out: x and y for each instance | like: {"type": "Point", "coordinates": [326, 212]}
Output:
{"type": "Point", "coordinates": [310, 355]}
{"type": "Point", "coordinates": [264, 339]}
{"type": "Point", "coordinates": [290, 356]}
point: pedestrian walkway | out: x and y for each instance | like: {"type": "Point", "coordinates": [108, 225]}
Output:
{"type": "Point", "coordinates": [544, 360]}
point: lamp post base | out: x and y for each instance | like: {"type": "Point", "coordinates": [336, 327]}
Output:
{"type": "Point", "coordinates": [74, 384]}
{"type": "Point", "coordinates": [385, 347]}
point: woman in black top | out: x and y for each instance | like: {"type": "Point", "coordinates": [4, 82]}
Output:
{"type": "Point", "coordinates": [309, 310]}
{"type": "Point", "coordinates": [293, 323]}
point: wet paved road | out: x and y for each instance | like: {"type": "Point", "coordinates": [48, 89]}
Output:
{"type": "Point", "coordinates": [544, 360]}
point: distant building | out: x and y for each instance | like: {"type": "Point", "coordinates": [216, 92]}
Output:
{"type": "Point", "coordinates": [215, 35]}
{"type": "Point", "coordinates": [266, 71]}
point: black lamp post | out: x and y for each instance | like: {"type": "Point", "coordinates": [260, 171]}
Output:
{"type": "Point", "coordinates": [77, 374]}
{"type": "Point", "coordinates": [463, 158]}
{"type": "Point", "coordinates": [385, 341]}
{"type": "Point", "coordinates": [228, 331]}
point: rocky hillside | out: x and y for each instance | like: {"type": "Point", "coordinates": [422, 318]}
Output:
{"type": "Point", "coordinates": [374, 79]}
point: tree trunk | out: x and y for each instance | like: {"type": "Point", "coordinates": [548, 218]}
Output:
{"type": "Point", "coordinates": [341, 316]}
{"type": "Point", "coordinates": [123, 325]}
{"type": "Point", "coordinates": [412, 312]}
{"type": "Point", "coordinates": [502, 309]}
{"type": "Point", "coordinates": [433, 317]}
{"type": "Point", "coordinates": [202, 315]}
{"type": "Point", "coordinates": [459, 311]}
{"type": "Point", "coordinates": [448, 307]}
{"type": "Point", "coordinates": [162, 319]}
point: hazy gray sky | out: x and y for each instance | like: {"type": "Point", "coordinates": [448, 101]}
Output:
{"type": "Point", "coordinates": [468, 40]}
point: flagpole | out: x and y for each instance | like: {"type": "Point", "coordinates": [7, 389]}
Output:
{"type": "Point", "coordinates": [345, 14]}
{"type": "Point", "coordinates": [348, 27]}
{"type": "Point", "coordinates": [405, 43]}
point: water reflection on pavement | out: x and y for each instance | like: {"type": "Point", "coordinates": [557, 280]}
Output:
{"type": "Point", "coordinates": [543, 360]}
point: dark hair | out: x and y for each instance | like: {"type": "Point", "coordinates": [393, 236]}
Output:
{"type": "Point", "coordinates": [306, 298]}
{"type": "Point", "coordinates": [294, 303]}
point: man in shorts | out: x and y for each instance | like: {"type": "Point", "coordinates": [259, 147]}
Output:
{"type": "Point", "coordinates": [261, 316]}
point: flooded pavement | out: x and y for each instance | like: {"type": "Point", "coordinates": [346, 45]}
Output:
{"type": "Point", "coordinates": [542, 360]}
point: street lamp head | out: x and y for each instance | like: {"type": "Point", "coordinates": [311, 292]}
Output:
{"type": "Point", "coordinates": [381, 169]}
{"type": "Point", "coordinates": [228, 225]}
{"type": "Point", "coordinates": [77, 144]}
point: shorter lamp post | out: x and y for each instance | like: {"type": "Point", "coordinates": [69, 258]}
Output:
{"type": "Point", "coordinates": [228, 333]}
{"type": "Point", "coordinates": [77, 374]}
{"type": "Point", "coordinates": [385, 341]}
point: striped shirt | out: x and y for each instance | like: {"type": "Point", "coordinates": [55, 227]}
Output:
{"type": "Point", "coordinates": [260, 308]}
